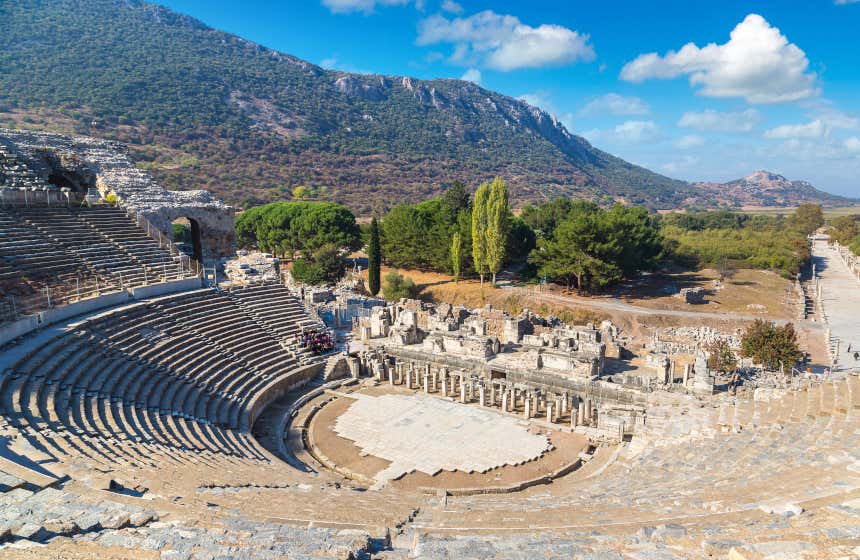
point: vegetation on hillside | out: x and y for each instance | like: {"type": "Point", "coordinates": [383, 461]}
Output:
{"type": "Point", "coordinates": [724, 239]}
{"type": "Point", "coordinates": [202, 108]}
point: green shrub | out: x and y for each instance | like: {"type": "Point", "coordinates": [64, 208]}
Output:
{"type": "Point", "coordinates": [329, 260]}
{"type": "Point", "coordinates": [397, 287]}
{"type": "Point", "coordinates": [772, 346]}
{"type": "Point", "coordinates": [307, 272]}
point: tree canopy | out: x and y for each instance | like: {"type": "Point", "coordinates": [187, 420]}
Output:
{"type": "Point", "coordinates": [591, 247]}
{"type": "Point", "coordinates": [772, 346]}
{"type": "Point", "coordinates": [287, 228]}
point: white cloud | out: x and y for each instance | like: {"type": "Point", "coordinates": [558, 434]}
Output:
{"type": "Point", "coordinates": [821, 127]}
{"type": "Point", "coordinates": [328, 63]}
{"type": "Point", "coordinates": [365, 6]}
{"type": "Point", "coordinates": [452, 7]}
{"type": "Point", "coordinates": [636, 132]}
{"type": "Point", "coordinates": [616, 104]}
{"type": "Point", "coordinates": [472, 75]}
{"type": "Point", "coordinates": [503, 42]}
{"type": "Point", "coordinates": [689, 141]}
{"type": "Point", "coordinates": [813, 129]}
{"type": "Point", "coordinates": [629, 132]}
{"type": "Point", "coordinates": [852, 144]}
{"type": "Point", "coordinates": [716, 121]}
{"type": "Point", "coordinates": [844, 2]}
{"type": "Point", "coordinates": [757, 63]}
{"type": "Point", "coordinates": [685, 163]}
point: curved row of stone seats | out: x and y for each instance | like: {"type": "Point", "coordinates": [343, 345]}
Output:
{"type": "Point", "coordinates": [67, 400]}
{"type": "Point", "coordinates": [74, 229]}
{"type": "Point", "coordinates": [15, 173]}
{"type": "Point", "coordinates": [274, 306]}
{"type": "Point", "coordinates": [173, 375]}
{"type": "Point", "coordinates": [115, 224]}
{"type": "Point", "coordinates": [800, 447]}
{"type": "Point", "coordinates": [37, 262]}
{"type": "Point", "coordinates": [213, 318]}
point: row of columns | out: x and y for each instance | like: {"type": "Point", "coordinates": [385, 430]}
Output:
{"type": "Point", "coordinates": [468, 388]}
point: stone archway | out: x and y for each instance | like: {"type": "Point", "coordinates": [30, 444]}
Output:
{"type": "Point", "coordinates": [186, 233]}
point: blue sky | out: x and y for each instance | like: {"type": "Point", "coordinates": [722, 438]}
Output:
{"type": "Point", "coordinates": [695, 90]}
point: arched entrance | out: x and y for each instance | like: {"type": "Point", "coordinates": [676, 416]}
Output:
{"type": "Point", "coordinates": [186, 234]}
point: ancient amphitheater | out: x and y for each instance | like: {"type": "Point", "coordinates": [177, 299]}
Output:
{"type": "Point", "coordinates": [148, 410]}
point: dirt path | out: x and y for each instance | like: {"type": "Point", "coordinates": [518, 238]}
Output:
{"type": "Point", "coordinates": [614, 304]}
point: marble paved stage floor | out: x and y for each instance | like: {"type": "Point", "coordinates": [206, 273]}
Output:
{"type": "Point", "coordinates": [429, 434]}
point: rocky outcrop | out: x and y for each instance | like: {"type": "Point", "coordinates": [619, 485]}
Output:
{"type": "Point", "coordinates": [764, 188]}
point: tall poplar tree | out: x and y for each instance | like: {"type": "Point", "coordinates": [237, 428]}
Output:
{"type": "Point", "coordinates": [479, 230]}
{"type": "Point", "coordinates": [456, 257]}
{"type": "Point", "coordinates": [498, 226]}
{"type": "Point", "coordinates": [374, 258]}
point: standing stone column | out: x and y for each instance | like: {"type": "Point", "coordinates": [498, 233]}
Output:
{"type": "Point", "coordinates": [391, 374]}
{"type": "Point", "coordinates": [504, 402]}
{"type": "Point", "coordinates": [564, 398]}
{"type": "Point", "coordinates": [444, 384]}
{"type": "Point", "coordinates": [433, 379]}
{"type": "Point", "coordinates": [462, 391]}
{"type": "Point", "coordinates": [581, 413]}
{"type": "Point", "coordinates": [492, 393]}
{"type": "Point", "coordinates": [482, 393]}
{"type": "Point", "coordinates": [549, 411]}
{"type": "Point", "coordinates": [409, 378]}
{"type": "Point", "coordinates": [528, 409]}
{"type": "Point", "coordinates": [426, 382]}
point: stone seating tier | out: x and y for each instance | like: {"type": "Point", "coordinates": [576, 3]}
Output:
{"type": "Point", "coordinates": [76, 252]}
{"type": "Point", "coordinates": [147, 380]}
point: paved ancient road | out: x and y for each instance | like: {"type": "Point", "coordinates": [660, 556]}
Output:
{"type": "Point", "coordinates": [841, 301]}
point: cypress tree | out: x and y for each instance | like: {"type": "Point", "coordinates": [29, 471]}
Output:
{"type": "Point", "coordinates": [374, 259]}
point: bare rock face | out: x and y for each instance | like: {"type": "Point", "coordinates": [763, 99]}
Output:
{"type": "Point", "coordinates": [80, 163]}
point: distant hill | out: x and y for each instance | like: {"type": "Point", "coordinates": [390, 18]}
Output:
{"type": "Point", "coordinates": [202, 108]}
{"type": "Point", "coordinates": [763, 188]}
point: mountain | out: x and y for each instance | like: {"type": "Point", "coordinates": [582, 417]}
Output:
{"type": "Point", "coordinates": [763, 188]}
{"type": "Point", "coordinates": [202, 108]}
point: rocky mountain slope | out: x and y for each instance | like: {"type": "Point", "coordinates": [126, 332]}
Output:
{"type": "Point", "coordinates": [201, 108]}
{"type": "Point", "coordinates": [205, 109]}
{"type": "Point", "coordinates": [763, 188]}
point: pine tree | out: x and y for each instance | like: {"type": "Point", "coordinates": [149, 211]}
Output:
{"type": "Point", "coordinates": [498, 226]}
{"type": "Point", "coordinates": [456, 258]}
{"type": "Point", "coordinates": [374, 258]}
{"type": "Point", "coordinates": [479, 230]}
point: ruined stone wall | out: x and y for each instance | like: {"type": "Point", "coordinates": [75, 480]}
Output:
{"type": "Point", "coordinates": [81, 163]}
